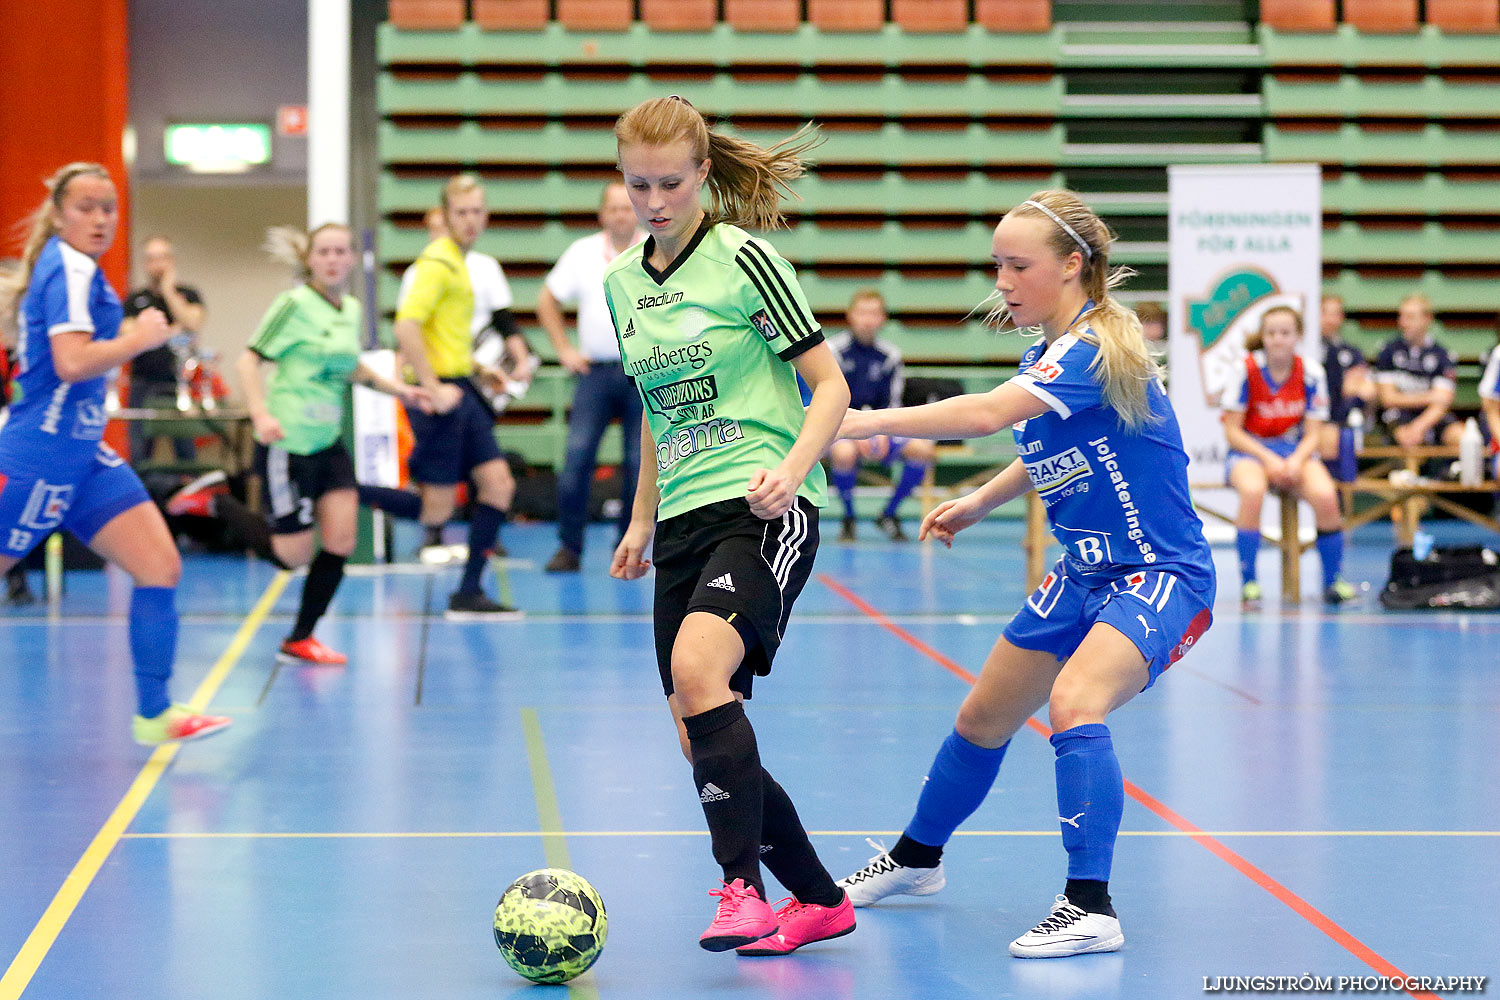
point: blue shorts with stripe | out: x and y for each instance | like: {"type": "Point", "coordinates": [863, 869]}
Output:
{"type": "Point", "coordinates": [1278, 445]}
{"type": "Point", "coordinates": [1158, 610]}
{"type": "Point", "coordinates": [723, 559]}
{"type": "Point", "coordinates": [81, 498]}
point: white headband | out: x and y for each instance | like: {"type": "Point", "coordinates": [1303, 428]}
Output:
{"type": "Point", "coordinates": [1088, 254]}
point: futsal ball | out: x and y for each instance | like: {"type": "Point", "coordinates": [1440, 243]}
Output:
{"type": "Point", "coordinates": [550, 925]}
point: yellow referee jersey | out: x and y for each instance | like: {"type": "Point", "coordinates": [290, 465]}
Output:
{"type": "Point", "coordinates": [441, 298]}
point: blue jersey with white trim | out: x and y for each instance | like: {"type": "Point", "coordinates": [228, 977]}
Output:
{"type": "Point", "coordinates": [54, 420]}
{"type": "Point", "coordinates": [1117, 500]}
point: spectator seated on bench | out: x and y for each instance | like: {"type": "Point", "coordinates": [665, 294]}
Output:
{"type": "Point", "coordinates": [1272, 417]}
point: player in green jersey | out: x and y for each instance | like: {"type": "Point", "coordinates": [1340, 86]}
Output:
{"type": "Point", "coordinates": [310, 337]}
{"type": "Point", "coordinates": [713, 329]}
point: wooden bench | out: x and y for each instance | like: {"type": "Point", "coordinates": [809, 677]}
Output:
{"type": "Point", "coordinates": [1289, 541]}
{"type": "Point", "coordinates": [1037, 537]}
{"type": "Point", "coordinates": [1410, 497]}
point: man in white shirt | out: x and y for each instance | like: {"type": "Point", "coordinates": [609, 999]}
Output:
{"type": "Point", "coordinates": [604, 392]}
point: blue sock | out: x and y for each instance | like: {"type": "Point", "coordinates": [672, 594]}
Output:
{"type": "Point", "coordinates": [1090, 799]}
{"type": "Point", "coordinates": [843, 481]}
{"type": "Point", "coordinates": [401, 503]}
{"type": "Point", "coordinates": [1331, 552]}
{"type": "Point", "coordinates": [1248, 543]}
{"type": "Point", "coordinates": [153, 645]}
{"type": "Point", "coordinates": [911, 477]}
{"type": "Point", "coordinates": [959, 779]}
{"type": "Point", "coordinates": [484, 528]}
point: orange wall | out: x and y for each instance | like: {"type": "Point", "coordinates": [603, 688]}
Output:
{"type": "Point", "coordinates": [65, 71]}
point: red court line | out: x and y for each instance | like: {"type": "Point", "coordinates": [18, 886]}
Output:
{"type": "Point", "coordinates": [1296, 903]}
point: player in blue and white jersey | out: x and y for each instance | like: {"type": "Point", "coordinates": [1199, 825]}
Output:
{"type": "Point", "coordinates": [55, 470]}
{"type": "Point", "coordinates": [1414, 381]}
{"type": "Point", "coordinates": [1132, 593]}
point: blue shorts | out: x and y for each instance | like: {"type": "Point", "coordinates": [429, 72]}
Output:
{"type": "Point", "coordinates": [1278, 446]}
{"type": "Point", "coordinates": [32, 505]}
{"type": "Point", "coordinates": [1155, 609]}
{"type": "Point", "coordinates": [449, 446]}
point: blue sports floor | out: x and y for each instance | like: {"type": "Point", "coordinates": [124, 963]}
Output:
{"type": "Point", "coordinates": [1308, 792]}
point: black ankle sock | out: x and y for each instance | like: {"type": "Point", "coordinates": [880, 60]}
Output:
{"type": "Point", "coordinates": [909, 853]}
{"type": "Point", "coordinates": [432, 534]}
{"type": "Point", "coordinates": [323, 578]}
{"type": "Point", "coordinates": [787, 852]}
{"type": "Point", "coordinates": [1089, 895]}
{"type": "Point", "coordinates": [251, 528]}
{"type": "Point", "coordinates": [727, 774]}
{"type": "Point", "coordinates": [484, 528]}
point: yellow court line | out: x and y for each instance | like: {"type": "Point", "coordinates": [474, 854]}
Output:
{"type": "Point", "coordinates": [549, 817]}
{"type": "Point", "coordinates": [554, 832]}
{"type": "Point", "coordinates": [45, 933]}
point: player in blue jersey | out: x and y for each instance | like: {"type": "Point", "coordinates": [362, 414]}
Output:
{"type": "Point", "coordinates": [55, 470]}
{"type": "Point", "coordinates": [1273, 417]}
{"type": "Point", "coordinates": [876, 376]}
{"type": "Point", "coordinates": [1131, 594]}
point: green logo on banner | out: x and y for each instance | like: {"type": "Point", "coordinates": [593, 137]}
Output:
{"type": "Point", "coordinates": [1235, 292]}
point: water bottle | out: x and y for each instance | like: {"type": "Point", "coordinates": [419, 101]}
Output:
{"type": "Point", "coordinates": [1348, 465]}
{"type": "Point", "coordinates": [1421, 545]}
{"type": "Point", "coordinates": [1470, 455]}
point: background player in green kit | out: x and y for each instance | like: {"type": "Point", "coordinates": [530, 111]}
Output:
{"type": "Point", "coordinates": [310, 337]}
{"type": "Point", "coordinates": [713, 329]}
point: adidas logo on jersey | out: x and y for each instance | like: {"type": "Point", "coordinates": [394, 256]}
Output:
{"type": "Point", "coordinates": [723, 583]}
{"type": "Point", "coordinates": [712, 793]}
{"type": "Point", "coordinates": [629, 329]}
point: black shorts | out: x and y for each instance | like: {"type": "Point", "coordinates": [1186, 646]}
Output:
{"type": "Point", "coordinates": [450, 445]}
{"type": "Point", "coordinates": [722, 559]}
{"type": "Point", "coordinates": [292, 484]}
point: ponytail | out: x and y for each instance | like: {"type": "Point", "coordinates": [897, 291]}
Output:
{"type": "Point", "coordinates": [1124, 365]}
{"type": "Point", "coordinates": [746, 182]}
{"type": "Point", "coordinates": [290, 246]}
{"type": "Point", "coordinates": [40, 226]}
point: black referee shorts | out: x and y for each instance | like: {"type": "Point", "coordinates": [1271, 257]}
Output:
{"type": "Point", "coordinates": [722, 559]}
{"type": "Point", "coordinates": [291, 485]}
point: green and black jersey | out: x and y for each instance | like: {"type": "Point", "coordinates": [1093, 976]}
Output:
{"type": "Point", "coordinates": [709, 343]}
{"type": "Point", "coordinates": [315, 347]}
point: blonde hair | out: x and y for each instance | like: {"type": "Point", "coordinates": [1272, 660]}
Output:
{"type": "Point", "coordinates": [42, 226]}
{"type": "Point", "coordinates": [1124, 366]}
{"type": "Point", "coordinates": [746, 183]}
{"type": "Point", "coordinates": [1257, 337]}
{"type": "Point", "coordinates": [458, 184]}
{"type": "Point", "coordinates": [1421, 299]}
{"type": "Point", "coordinates": [290, 246]}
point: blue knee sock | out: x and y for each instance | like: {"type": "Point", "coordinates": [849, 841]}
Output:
{"type": "Point", "coordinates": [484, 528]}
{"type": "Point", "coordinates": [843, 481]}
{"type": "Point", "coordinates": [153, 645]}
{"type": "Point", "coordinates": [1248, 543]}
{"type": "Point", "coordinates": [911, 478]}
{"type": "Point", "coordinates": [1090, 799]}
{"type": "Point", "coordinates": [1331, 552]}
{"type": "Point", "coordinates": [959, 779]}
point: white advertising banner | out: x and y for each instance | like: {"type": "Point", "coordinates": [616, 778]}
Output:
{"type": "Point", "coordinates": [1242, 240]}
{"type": "Point", "coordinates": [376, 462]}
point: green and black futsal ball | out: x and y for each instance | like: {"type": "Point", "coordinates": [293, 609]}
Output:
{"type": "Point", "coordinates": [550, 925]}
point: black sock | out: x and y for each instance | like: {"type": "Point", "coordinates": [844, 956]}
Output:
{"type": "Point", "coordinates": [432, 534]}
{"type": "Point", "coordinates": [727, 774]}
{"type": "Point", "coordinates": [909, 853]}
{"type": "Point", "coordinates": [484, 528]}
{"type": "Point", "coordinates": [400, 503]}
{"type": "Point", "coordinates": [787, 852]}
{"type": "Point", "coordinates": [251, 529]}
{"type": "Point", "coordinates": [323, 578]}
{"type": "Point", "coordinates": [1089, 895]}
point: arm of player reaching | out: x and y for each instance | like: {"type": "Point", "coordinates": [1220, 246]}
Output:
{"type": "Point", "coordinates": [974, 415]}
{"type": "Point", "coordinates": [630, 562]}
{"type": "Point", "coordinates": [771, 492]}
{"type": "Point", "coordinates": [952, 516]}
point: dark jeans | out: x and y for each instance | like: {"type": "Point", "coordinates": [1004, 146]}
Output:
{"type": "Point", "coordinates": [155, 395]}
{"type": "Point", "coordinates": [602, 395]}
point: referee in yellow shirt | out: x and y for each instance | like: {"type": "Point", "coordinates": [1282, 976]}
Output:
{"type": "Point", "coordinates": [457, 441]}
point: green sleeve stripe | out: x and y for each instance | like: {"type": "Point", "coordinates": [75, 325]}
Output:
{"type": "Point", "coordinates": [273, 324]}
{"type": "Point", "coordinates": [773, 291]}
